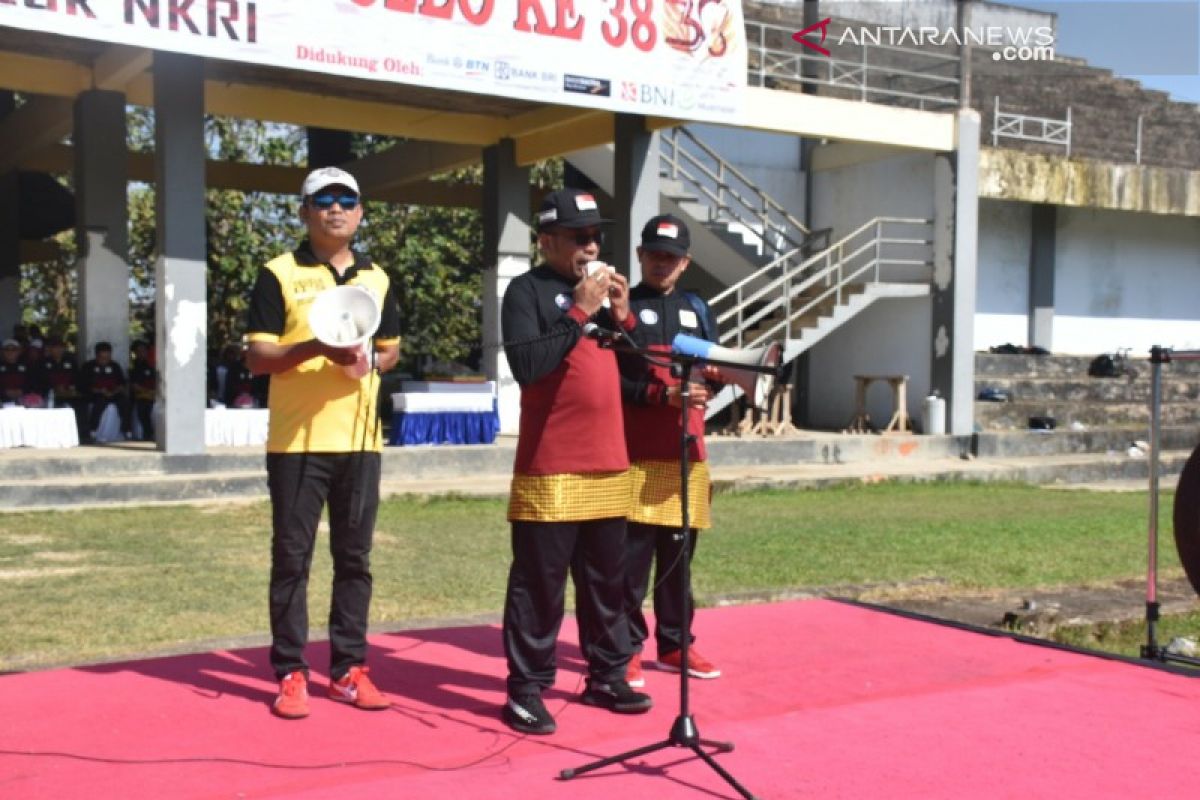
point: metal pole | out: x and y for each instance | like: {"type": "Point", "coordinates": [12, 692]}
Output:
{"type": "Point", "coordinates": [1138, 153]}
{"type": "Point", "coordinates": [996, 121]}
{"type": "Point", "coordinates": [1156, 358]}
{"type": "Point", "coordinates": [865, 75]}
{"type": "Point", "coordinates": [1068, 131]}
{"type": "Point", "coordinates": [964, 55]}
{"type": "Point", "coordinates": [762, 55]}
{"type": "Point", "coordinates": [878, 246]}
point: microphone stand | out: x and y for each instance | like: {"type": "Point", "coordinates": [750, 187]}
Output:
{"type": "Point", "coordinates": [684, 732]}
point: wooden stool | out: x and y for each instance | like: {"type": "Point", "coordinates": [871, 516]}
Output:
{"type": "Point", "coordinates": [899, 422]}
{"type": "Point", "coordinates": [775, 421]}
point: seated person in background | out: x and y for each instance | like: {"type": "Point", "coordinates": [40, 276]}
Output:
{"type": "Point", "coordinates": [242, 387]}
{"type": "Point", "coordinates": [220, 373]}
{"type": "Point", "coordinates": [34, 352]}
{"type": "Point", "coordinates": [59, 373]}
{"type": "Point", "coordinates": [16, 378]}
{"type": "Point", "coordinates": [143, 388]}
{"type": "Point", "coordinates": [102, 382]}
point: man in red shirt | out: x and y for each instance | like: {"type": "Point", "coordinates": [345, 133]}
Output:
{"type": "Point", "coordinates": [570, 487]}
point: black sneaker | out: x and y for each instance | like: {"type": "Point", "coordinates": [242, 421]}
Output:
{"type": "Point", "coordinates": [527, 713]}
{"type": "Point", "coordinates": [616, 696]}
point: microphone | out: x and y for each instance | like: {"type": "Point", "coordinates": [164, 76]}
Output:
{"type": "Point", "coordinates": [593, 331]}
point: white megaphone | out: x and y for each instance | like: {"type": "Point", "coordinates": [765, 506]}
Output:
{"type": "Point", "coordinates": [346, 316]}
{"type": "Point", "coordinates": [756, 385]}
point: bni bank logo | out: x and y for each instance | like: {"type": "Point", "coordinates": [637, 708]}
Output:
{"type": "Point", "coordinates": [629, 91]}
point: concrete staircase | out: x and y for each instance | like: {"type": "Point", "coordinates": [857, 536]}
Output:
{"type": "Point", "coordinates": [1060, 387]}
{"type": "Point", "coordinates": [1097, 417]}
{"type": "Point", "coordinates": [798, 301]}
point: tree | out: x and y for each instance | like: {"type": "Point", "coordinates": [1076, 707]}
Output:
{"type": "Point", "coordinates": [433, 255]}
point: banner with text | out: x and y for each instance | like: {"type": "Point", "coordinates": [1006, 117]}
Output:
{"type": "Point", "coordinates": [673, 58]}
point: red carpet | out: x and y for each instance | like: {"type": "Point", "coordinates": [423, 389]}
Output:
{"type": "Point", "coordinates": [821, 699]}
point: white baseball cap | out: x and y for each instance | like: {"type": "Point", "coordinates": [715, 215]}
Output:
{"type": "Point", "coordinates": [324, 177]}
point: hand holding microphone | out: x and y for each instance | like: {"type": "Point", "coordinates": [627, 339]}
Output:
{"type": "Point", "coordinates": [603, 287]}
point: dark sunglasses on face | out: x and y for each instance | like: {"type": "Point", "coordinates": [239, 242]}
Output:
{"type": "Point", "coordinates": [583, 239]}
{"type": "Point", "coordinates": [324, 202]}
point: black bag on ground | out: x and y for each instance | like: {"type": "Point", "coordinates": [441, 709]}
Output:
{"type": "Point", "coordinates": [1102, 366]}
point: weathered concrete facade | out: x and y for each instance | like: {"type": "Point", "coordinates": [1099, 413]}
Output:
{"type": "Point", "coordinates": [1054, 179]}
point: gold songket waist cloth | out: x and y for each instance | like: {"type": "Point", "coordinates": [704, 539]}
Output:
{"type": "Point", "coordinates": [569, 496]}
{"type": "Point", "coordinates": [655, 494]}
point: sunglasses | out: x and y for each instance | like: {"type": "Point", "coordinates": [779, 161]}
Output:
{"type": "Point", "coordinates": [584, 239]}
{"type": "Point", "coordinates": [324, 202]}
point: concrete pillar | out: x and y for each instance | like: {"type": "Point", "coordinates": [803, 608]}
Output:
{"type": "Point", "coordinates": [10, 239]}
{"type": "Point", "coordinates": [102, 222]}
{"type": "Point", "coordinates": [10, 253]}
{"type": "Point", "coordinates": [1041, 276]}
{"type": "Point", "coordinates": [635, 189]}
{"type": "Point", "coordinates": [181, 310]}
{"type": "Point", "coordinates": [506, 248]}
{"type": "Point", "coordinates": [955, 249]}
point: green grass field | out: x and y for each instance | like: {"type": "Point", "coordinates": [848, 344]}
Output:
{"type": "Point", "coordinates": [88, 585]}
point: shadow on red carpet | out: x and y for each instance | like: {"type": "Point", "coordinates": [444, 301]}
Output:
{"type": "Point", "coordinates": [822, 700]}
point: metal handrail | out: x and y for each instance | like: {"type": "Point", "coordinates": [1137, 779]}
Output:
{"type": "Point", "coordinates": [1011, 125]}
{"type": "Point", "coordinates": [683, 155]}
{"type": "Point", "coordinates": [790, 276]}
{"type": "Point", "coordinates": [788, 65]}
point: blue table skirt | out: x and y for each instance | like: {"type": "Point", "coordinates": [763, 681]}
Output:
{"type": "Point", "coordinates": [459, 427]}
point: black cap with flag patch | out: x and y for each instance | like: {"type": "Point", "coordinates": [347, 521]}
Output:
{"type": "Point", "coordinates": [569, 208]}
{"type": "Point", "coordinates": [667, 233]}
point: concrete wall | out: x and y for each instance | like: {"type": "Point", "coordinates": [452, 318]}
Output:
{"type": "Point", "coordinates": [771, 161]}
{"type": "Point", "coordinates": [1002, 298]}
{"type": "Point", "coordinates": [889, 337]}
{"type": "Point", "coordinates": [899, 186]}
{"type": "Point", "coordinates": [1007, 174]}
{"type": "Point", "coordinates": [1121, 279]}
{"type": "Point", "coordinates": [1126, 280]}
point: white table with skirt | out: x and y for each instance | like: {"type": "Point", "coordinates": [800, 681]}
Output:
{"type": "Point", "coordinates": [444, 412]}
{"type": "Point", "coordinates": [38, 427]}
{"type": "Point", "coordinates": [235, 427]}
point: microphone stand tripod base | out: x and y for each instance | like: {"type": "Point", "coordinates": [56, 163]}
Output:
{"type": "Point", "coordinates": [683, 731]}
{"type": "Point", "coordinates": [683, 734]}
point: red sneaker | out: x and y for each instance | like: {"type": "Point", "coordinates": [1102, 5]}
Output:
{"type": "Point", "coordinates": [698, 665]}
{"type": "Point", "coordinates": [633, 673]}
{"type": "Point", "coordinates": [356, 689]}
{"type": "Point", "coordinates": [292, 700]}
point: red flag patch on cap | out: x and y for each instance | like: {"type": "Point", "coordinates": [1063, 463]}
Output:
{"type": "Point", "coordinates": [668, 229]}
{"type": "Point", "coordinates": [585, 202]}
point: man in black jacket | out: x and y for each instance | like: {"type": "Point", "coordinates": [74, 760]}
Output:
{"type": "Point", "coordinates": [653, 419]}
{"type": "Point", "coordinates": [570, 487]}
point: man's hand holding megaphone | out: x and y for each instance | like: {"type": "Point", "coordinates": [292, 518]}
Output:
{"type": "Point", "coordinates": [700, 393]}
{"type": "Point", "coordinates": [340, 355]}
